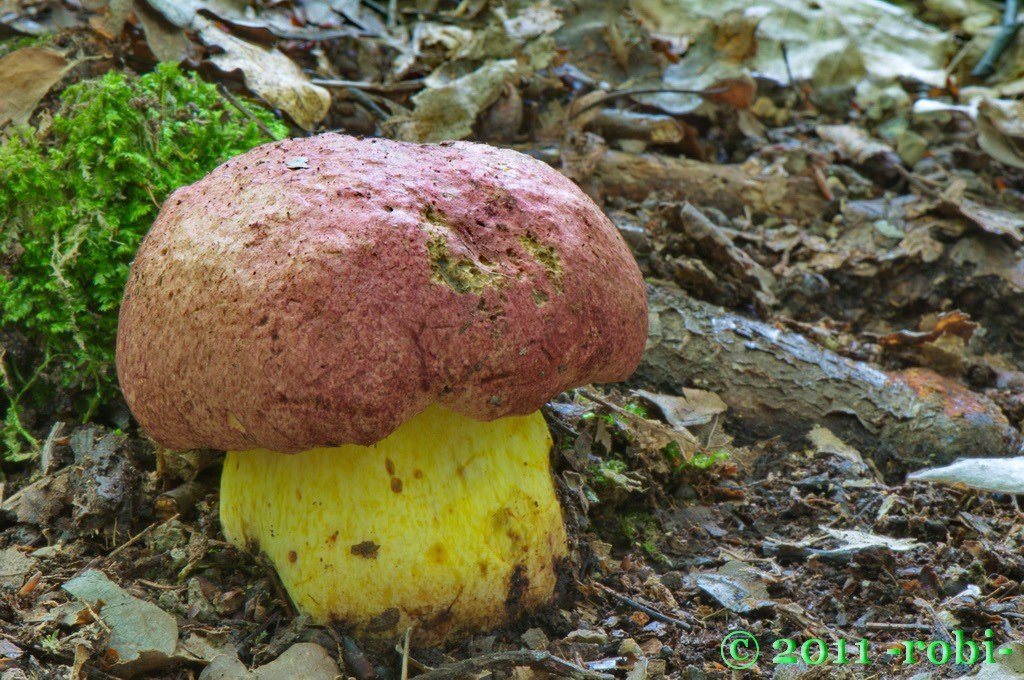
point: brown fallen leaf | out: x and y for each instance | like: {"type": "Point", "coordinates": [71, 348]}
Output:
{"type": "Point", "coordinates": [268, 73]}
{"type": "Point", "coordinates": [956, 323]}
{"type": "Point", "coordinates": [27, 75]}
{"type": "Point", "coordinates": [738, 92]}
{"type": "Point", "coordinates": [695, 407]}
{"type": "Point", "coordinates": [167, 41]}
{"type": "Point", "coordinates": [992, 220]}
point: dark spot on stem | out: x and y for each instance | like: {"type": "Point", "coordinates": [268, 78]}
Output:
{"type": "Point", "coordinates": [367, 549]}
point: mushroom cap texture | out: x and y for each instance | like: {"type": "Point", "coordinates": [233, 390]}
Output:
{"type": "Point", "coordinates": [321, 291]}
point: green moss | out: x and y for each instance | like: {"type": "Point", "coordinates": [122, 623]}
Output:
{"type": "Point", "coordinates": [458, 273]}
{"type": "Point", "coordinates": [641, 529]}
{"type": "Point", "coordinates": [546, 256]}
{"type": "Point", "coordinates": [18, 42]}
{"type": "Point", "coordinates": [74, 206]}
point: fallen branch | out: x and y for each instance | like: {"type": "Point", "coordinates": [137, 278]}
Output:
{"type": "Point", "coordinates": [779, 384]}
{"type": "Point", "coordinates": [730, 188]}
{"type": "Point", "coordinates": [180, 499]}
{"type": "Point", "coordinates": [639, 606]}
{"type": "Point", "coordinates": [1008, 28]}
{"type": "Point", "coordinates": [647, 127]}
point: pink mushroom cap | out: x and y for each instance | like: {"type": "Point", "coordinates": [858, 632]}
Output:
{"type": "Point", "coordinates": [321, 291]}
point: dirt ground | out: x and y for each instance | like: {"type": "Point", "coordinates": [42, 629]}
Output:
{"type": "Point", "coordinates": [832, 242]}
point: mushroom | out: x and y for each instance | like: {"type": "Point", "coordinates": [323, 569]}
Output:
{"type": "Point", "coordinates": [394, 315]}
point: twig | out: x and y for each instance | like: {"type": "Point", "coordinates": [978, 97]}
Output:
{"type": "Point", "coordinates": [650, 611]}
{"type": "Point", "coordinates": [537, 660]}
{"type": "Point", "coordinates": [785, 61]}
{"type": "Point", "coordinates": [248, 114]}
{"type": "Point", "coordinates": [367, 102]}
{"type": "Point", "coordinates": [615, 94]}
{"type": "Point", "coordinates": [1007, 29]}
{"type": "Point", "coordinates": [159, 586]}
{"type": "Point", "coordinates": [402, 86]}
{"type": "Point", "coordinates": [95, 615]}
{"type": "Point", "coordinates": [405, 654]}
{"type": "Point", "coordinates": [46, 453]}
{"type": "Point", "coordinates": [604, 402]}
{"type": "Point", "coordinates": [881, 625]}
{"type": "Point", "coordinates": [131, 541]}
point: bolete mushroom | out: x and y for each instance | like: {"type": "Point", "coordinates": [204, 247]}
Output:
{"type": "Point", "coordinates": [394, 315]}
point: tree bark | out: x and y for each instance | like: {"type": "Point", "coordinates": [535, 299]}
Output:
{"type": "Point", "coordinates": [777, 383]}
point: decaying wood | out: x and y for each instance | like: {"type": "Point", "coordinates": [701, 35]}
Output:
{"type": "Point", "coordinates": [778, 383]}
{"type": "Point", "coordinates": [180, 499]}
{"type": "Point", "coordinates": [647, 127]}
{"type": "Point", "coordinates": [730, 188]}
{"type": "Point", "coordinates": [699, 256]}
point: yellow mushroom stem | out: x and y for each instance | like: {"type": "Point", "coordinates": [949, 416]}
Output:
{"type": "Point", "coordinates": [450, 525]}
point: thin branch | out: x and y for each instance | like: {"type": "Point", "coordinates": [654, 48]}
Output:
{"type": "Point", "coordinates": [247, 113]}
{"type": "Point", "coordinates": [402, 86]}
{"type": "Point", "coordinates": [1007, 30]}
{"type": "Point", "coordinates": [650, 611]}
{"type": "Point", "coordinates": [615, 94]}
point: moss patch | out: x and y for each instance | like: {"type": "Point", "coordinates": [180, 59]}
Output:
{"type": "Point", "coordinates": [74, 205]}
{"type": "Point", "coordinates": [461, 274]}
{"type": "Point", "coordinates": [546, 256]}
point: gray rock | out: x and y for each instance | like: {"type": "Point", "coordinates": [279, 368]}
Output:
{"type": "Point", "coordinates": [225, 667]}
{"type": "Point", "coordinates": [143, 635]}
{"type": "Point", "coordinates": [535, 639]}
{"type": "Point", "coordinates": [302, 660]}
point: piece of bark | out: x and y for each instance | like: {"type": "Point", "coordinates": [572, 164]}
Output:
{"type": "Point", "coordinates": [696, 254]}
{"type": "Point", "coordinates": [647, 127]}
{"type": "Point", "coordinates": [730, 188]}
{"type": "Point", "coordinates": [180, 499]}
{"type": "Point", "coordinates": [779, 384]}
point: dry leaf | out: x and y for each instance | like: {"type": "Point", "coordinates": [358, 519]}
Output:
{"type": "Point", "coordinates": [27, 75]}
{"type": "Point", "coordinates": [110, 23]}
{"type": "Point", "coordinates": [1001, 131]}
{"type": "Point", "coordinates": [448, 110]}
{"type": "Point", "coordinates": [167, 41]}
{"type": "Point", "coordinates": [695, 407]}
{"type": "Point", "coordinates": [998, 122]}
{"type": "Point", "coordinates": [1002, 475]}
{"type": "Point", "coordinates": [853, 142]}
{"type": "Point", "coordinates": [738, 92]}
{"type": "Point", "coordinates": [269, 74]}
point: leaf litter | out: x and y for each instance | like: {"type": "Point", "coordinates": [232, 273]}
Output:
{"type": "Point", "coordinates": [830, 172]}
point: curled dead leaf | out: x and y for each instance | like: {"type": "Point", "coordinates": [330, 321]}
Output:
{"type": "Point", "coordinates": [956, 323]}
{"type": "Point", "coordinates": [269, 74]}
{"type": "Point", "coordinates": [28, 74]}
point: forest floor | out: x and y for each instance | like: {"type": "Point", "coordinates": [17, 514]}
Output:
{"type": "Point", "coordinates": [829, 211]}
